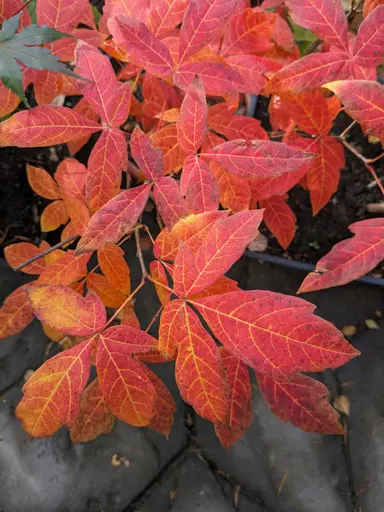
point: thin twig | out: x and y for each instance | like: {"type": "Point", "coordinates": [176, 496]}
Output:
{"type": "Point", "coordinates": [44, 253]}
{"type": "Point", "coordinates": [344, 133]}
{"type": "Point", "coordinates": [140, 253]}
{"type": "Point", "coordinates": [154, 318]}
{"type": "Point", "coordinates": [373, 160]}
{"type": "Point", "coordinates": [149, 233]}
{"type": "Point", "coordinates": [142, 283]}
{"type": "Point", "coordinates": [150, 278]}
{"type": "Point", "coordinates": [23, 7]}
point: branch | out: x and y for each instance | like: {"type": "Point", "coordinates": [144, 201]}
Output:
{"type": "Point", "coordinates": [140, 254]}
{"type": "Point", "coordinates": [154, 318]}
{"type": "Point", "coordinates": [47, 251]}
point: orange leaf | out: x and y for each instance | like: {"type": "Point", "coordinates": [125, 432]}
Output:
{"type": "Point", "coordinates": [222, 285]}
{"type": "Point", "coordinates": [148, 158]}
{"type": "Point", "coordinates": [235, 192]}
{"type": "Point", "coordinates": [164, 406]}
{"type": "Point", "coordinates": [128, 316]}
{"type": "Point", "coordinates": [9, 101]}
{"type": "Point", "coordinates": [240, 399]}
{"type": "Point", "coordinates": [45, 126]}
{"type": "Point", "coordinates": [199, 375]}
{"type": "Point", "coordinates": [16, 313]}
{"type": "Point", "coordinates": [66, 310]}
{"type": "Point", "coordinates": [349, 259]}
{"type": "Point", "coordinates": [47, 85]}
{"type": "Point", "coordinates": [100, 86]}
{"type": "Point", "coordinates": [310, 71]}
{"type": "Point", "coordinates": [301, 401]}
{"type": "Point", "coordinates": [16, 254]}
{"type": "Point", "coordinates": [202, 23]}
{"type": "Point", "coordinates": [258, 158]}
{"type": "Point", "coordinates": [111, 297]}
{"type": "Point", "coordinates": [170, 204]}
{"type": "Point", "coordinates": [114, 219]}
{"type": "Point", "coordinates": [280, 220]}
{"type": "Point", "coordinates": [166, 140]}
{"type": "Point", "coordinates": [364, 102]}
{"type": "Point", "coordinates": [106, 162]}
{"type": "Point", "coordinates": [52, 395]}
{"type": "Point", "coordinates": [65, 270]}
{"type": "Point", "coordinates": [169, 329]}
{"type": "Point", "coordinates": [143, 47]}
{"type": "Point", "coordinates": [192, 122]}
{"type": "Point", "coordinates": [251, 68]}
{"type": "Point", "coordinates": [51, 333]}
{"type": "Point", "coordinates": [370, 5]}
{"type": "Point", "coordinates": [325, 18]}
{"type": "Point", "coordinates": [114, 267]}
{"type": "Point", "coordinates": [225, 243]}
{"type": "Point", "coordinates": [78, 213]}
{"type": "Point", "coordinates": [94, 417]}
{"type": "Point", "coordinates": [274, 333]}
{"type": "Point", "coordinates": [53, 216]}
{"type": "Point", "coordinates": [42, 183]}
{"type": "Point", "coordinates": [70, 175]}
{"type": "Point", "coordinates": [199, 185]}
{"type": "Point", "coordinates": [128, 391]}
{"type": "Point", "coordinates": [159, 276]}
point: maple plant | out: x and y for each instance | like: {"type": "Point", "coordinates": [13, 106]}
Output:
{"type": "Point", "coordinates": [186, 67]}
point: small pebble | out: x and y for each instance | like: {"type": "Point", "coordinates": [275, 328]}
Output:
{"type": "Point", "coordinates": [349, 330]}
{"type": "Point", "coordinates": [372, 324]}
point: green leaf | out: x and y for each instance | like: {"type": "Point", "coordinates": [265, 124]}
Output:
{"type": "Point", "coordinates": [32, 10]}
{"type": "Point", "coordinates": [96, 14]}
{"type": "Point", "coordinates": [25, 47]}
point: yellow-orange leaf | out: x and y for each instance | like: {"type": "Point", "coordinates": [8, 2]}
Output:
{"type": "Point", "coordinates": [16, 313]}
{"type": "Point", "coordinates": [160, 277]}
{"type": "Point", "coordinates": [66, 310]}
{"type": "Point", "coordinates": [111, 297]}
{"type": "Point", "coordinates": [95, 417]}
{"type": "Point", "coordinates": [65, 270]}
{"type": "Point", "coordinates": [52, 395]}
{"type": "Point", "coordinates": [114, 267]}
{"type": "Point", "coordinates": [53, 216]}
{"type": "Point", "coordinates": [42, 182]}
{"type": "Point", "coordinates": [16, 254]}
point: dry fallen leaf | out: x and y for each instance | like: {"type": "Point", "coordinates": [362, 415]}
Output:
{"type": "Point", "coordinates": [349, 330]}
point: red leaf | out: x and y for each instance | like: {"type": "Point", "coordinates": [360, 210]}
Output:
{"type": "Point", "coordinates": [52, 395]}
{"type": "Point", "coordinates": [149, 158]}
{"type": "Point", "coordinates": [240, 399]}
{"type": "Point", "coordinates": [166, 15]}
{"type": "Point", "coordinates": [192, 123]}
{"type": "Point", "coordinates": [222, 285]}
{"type": "Point", "coordinates": [169, 333]}
{"type": "Point", "coordinates": [310, 71]}
{"type": "Point", "coordinates": [114, 219]}
{"type": "Point", "coordinates": [349, 259]}
{"type": "Point", "coordinates": [83, 108]}
{"type": "Point", "coordinates": [280, 220]}
{"type": "Point", "coordinates": [199, 185]}
{"type": "Point", "coordinates": [258, 158]}
{"type": "Point", "coordinates": [65, 48]}
{"type": "Point", "coordinates": [16, 254]}
{"type": "Point", "coordinates": [165, 406]}
{"type": "Point", "coordinates": [66, 310]}
{"type": "Point", "coordinates": [127, 389]}
{"type": "Point", "coordinates": [52, 13]}
{"type": "Point", "coordinates": [169, 202]}
{"type": "Point", "coordinates": [108, 159]}
{"type": "Point", "coordinates": [114, 267]}
{"type": "Point", "coordinates": [142, 46]}
{"type": "Point", "coordinates": [364, 102]}
{"type": "Point", "coordinates": [138, 9]}
{"type": "Point", "coordinates": [65, 270]}
{"type": "Point", "coordinates": [45, 126]}
{"type": "Point", "coordinates": [324, 172]}
{"type": "Point", "coordinates": [263, 188]}
{"type": "Point", "coordinates": [369, 42]}
{"type": "Point", "coordinates": [235, 192]}
{"type": "Point", "coordinates": [94, 418]}
{"type": "Point", "coordinates": [99, 85]}
{"type": "Point", "coordinates": [301, 401]}
{"type": "Point", "coordinates": [16, 313]}
{"type": "Point", "coordinates": [274, 333]}
{"type": "Point", "coordinates": [325, 18]}
{"type": "Point", "coordinates": [247, 32]}
{"type": "Point", "coordinates": [251, 68]}
{"type": "Point", "coordinates": [199, 375]}
{"type": "Point", "coordinates": [123, 339]}
{"type": "Point", "coordinates": [217, 78]}
{"type": "Point", "coordinates": [202, 23]}
{"type": "Point", "coordinates": [166, 140]}
{"type": "Point", "coordinates": [226, 242]}
{"type": "Point", "coordinates": [42, 183]}
{"type": "Point", "coordinates": [237, 127]}
{"type": "Point", "coordinates": [47, 85]}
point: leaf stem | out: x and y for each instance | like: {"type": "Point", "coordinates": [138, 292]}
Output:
{"type": "Point", "coordinates": [140, 254]}
{"type": "Point", "coordinates": [22, 7]}
{"type": "Point", "coordinates": [154, 318]}
{"type": "Point", "coordinates": [44, 253]}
